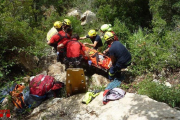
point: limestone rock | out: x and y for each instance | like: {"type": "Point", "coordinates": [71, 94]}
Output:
{"type": "Point", "coordinates": [131, 107]}
{"type": "Point", "coordinates": [87, 17]}
{"type": "Point", "coordinates": [57, 71]}
{"type": "Point", "coordinates": [168, 84]}
{"type": "Point", "coordinates": [74, 12]}
{"type": "Point", "coordinates": [99, 81]}
{"type": "Point", "coordinates": [28, 61]}
{"type": "Point", "coordinates": [46, 61]}
{"type": "Point", "coordinates": [26, 79]}
{"type": "Point", "coordinates": [7, 103]}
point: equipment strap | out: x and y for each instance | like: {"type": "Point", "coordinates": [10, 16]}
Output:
{"type": "Point", "coordinates": [61, 37]}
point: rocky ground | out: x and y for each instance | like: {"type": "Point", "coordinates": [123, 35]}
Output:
{"type": "Point", "coordinates": [131, 107]}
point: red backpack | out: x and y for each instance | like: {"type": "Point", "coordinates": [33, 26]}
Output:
{"type": "Point", "coordinates": [41, 84]}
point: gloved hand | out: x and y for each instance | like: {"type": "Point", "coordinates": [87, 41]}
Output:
{"type": "Point", "coordinates": [86, 43]}
{"type": "Point", "coordinates": [104, 52]}
{"type": "Point", "coordinates": [58, 59]}
{"type": "Point", "coordinates": [89, 62]}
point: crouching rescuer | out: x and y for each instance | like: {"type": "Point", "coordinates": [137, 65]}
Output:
{"type": "Point", "coordinates": [73, 54]}
{"type": "Point", "coordinates": [120, 56]}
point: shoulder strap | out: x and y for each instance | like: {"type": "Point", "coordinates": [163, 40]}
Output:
{"type": "Point", "coordinates": [61, 37]}
{"type": "Point", "coordinates": [97, 57]}
{"type": "Point", "coordinates": [65, 35]}
{"type": "Point", "coordinates": [23, 105]}
{"type": "Point", "coordinates": [75, 41]}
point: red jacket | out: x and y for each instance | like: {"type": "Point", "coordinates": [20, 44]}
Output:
{"type": "Point", "coordinates": [73, 48]}
{"type": "Point", "coordinates": [60, 38]}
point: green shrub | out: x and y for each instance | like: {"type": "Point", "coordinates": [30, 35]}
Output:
{"type": "Point", "coordinates": [17, 36]}
{"type": "Point", "coordinates": [152, 53]}
{"type": "Point", "coordinates": [160, 92]}
{"type": "Point", "coordinates": [121, 31]}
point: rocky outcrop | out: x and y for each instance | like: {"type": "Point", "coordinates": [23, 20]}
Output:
{"type": "Point", "coordinates": [85, 18]}
{"type": "Point", "coordinates": [131, 107]}
{"type": "Point", "coordinates": [74, 12]}
{"type": "Point", "coordinates": [57, 71]}
{"type": "Point", "coordinates": [99, 81]}
{"type": "Point", "coordinates": [28, 61]}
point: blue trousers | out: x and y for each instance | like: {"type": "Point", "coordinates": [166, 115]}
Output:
{"type": "Point", "coordinates": [115, 71]}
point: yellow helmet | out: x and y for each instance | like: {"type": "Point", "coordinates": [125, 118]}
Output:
{"type": "Point", "coordinates": [58, 24]}
{"type": "Point", "coordinates": [67, 22]}
{"type": "Point", "coordinates": [108, 36]}
{"type": "Point", "coordinates": [92, 33]}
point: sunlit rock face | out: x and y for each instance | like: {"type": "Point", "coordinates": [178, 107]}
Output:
{"type": "Point", "coordinates": [74, 12]}
{"type": "Point", "coordinates": [87, 17]}
{"type": "Point", "coordinates": [131, 107]}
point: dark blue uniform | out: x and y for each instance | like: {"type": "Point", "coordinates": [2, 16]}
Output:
{"type": "Point", "coordinates": [98, 39]}
{"type": "Point", "coordinates": [122, 57]}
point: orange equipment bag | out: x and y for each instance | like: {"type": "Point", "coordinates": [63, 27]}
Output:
{"type": "Point", "coordinates": [98, 59]}
{"type": "Point", "coordinates": [17, 96]}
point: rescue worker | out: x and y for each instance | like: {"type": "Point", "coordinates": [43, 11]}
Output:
{"type": "Point", "coordinates": [66, 24]}
{"type": "Point", "coordinates": [120, 56]}
{"type": "Point", "coordinates": [53, 31]}
{"type": "Point", "coordinates": [73, 54]}
{"type": "Point", "coordinates": [58, 39]}
{"type": "Point", "coordinates": [107, 28]}
{"type": "Point", "coordinates": [95, 39]}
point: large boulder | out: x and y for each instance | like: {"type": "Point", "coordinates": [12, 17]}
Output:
{"type": "Point", "coordinates": [74, 12]}
{"type": "Point", "coordinates": [46, 61]}
{"type": "Point", "coordinates": [131, 107]}
{"type": "Point", "coordinates": [87, 17]}
{"type": "Point", "coordinates": [57, 70]}
{"type": "Point", "coordinates": [28, 61]}
{"type": "Point", "coordinates": [99, 81]}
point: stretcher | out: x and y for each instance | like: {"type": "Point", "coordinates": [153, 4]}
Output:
{"type": "Point", "coordinates": [97, 59]}
{"type": "Point", "coordinates": [75, 81]}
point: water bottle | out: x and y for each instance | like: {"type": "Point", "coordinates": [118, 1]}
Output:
{"type": "Point", "coordinates": [89, 62]}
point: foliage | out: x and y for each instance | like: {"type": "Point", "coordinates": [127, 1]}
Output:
{"type": "Point", "coordinates": [121, 30]}
{"type": "Point", "coordinates": [160, 92]}
{"type": "Point", "coordinates": [17, 34]}
{"type": "Point", "coordinates": [152, 54]}
{"type": "Point", "coordinates": [149, 29]}
{"type": "Point", "coordinates": [129, 11]}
